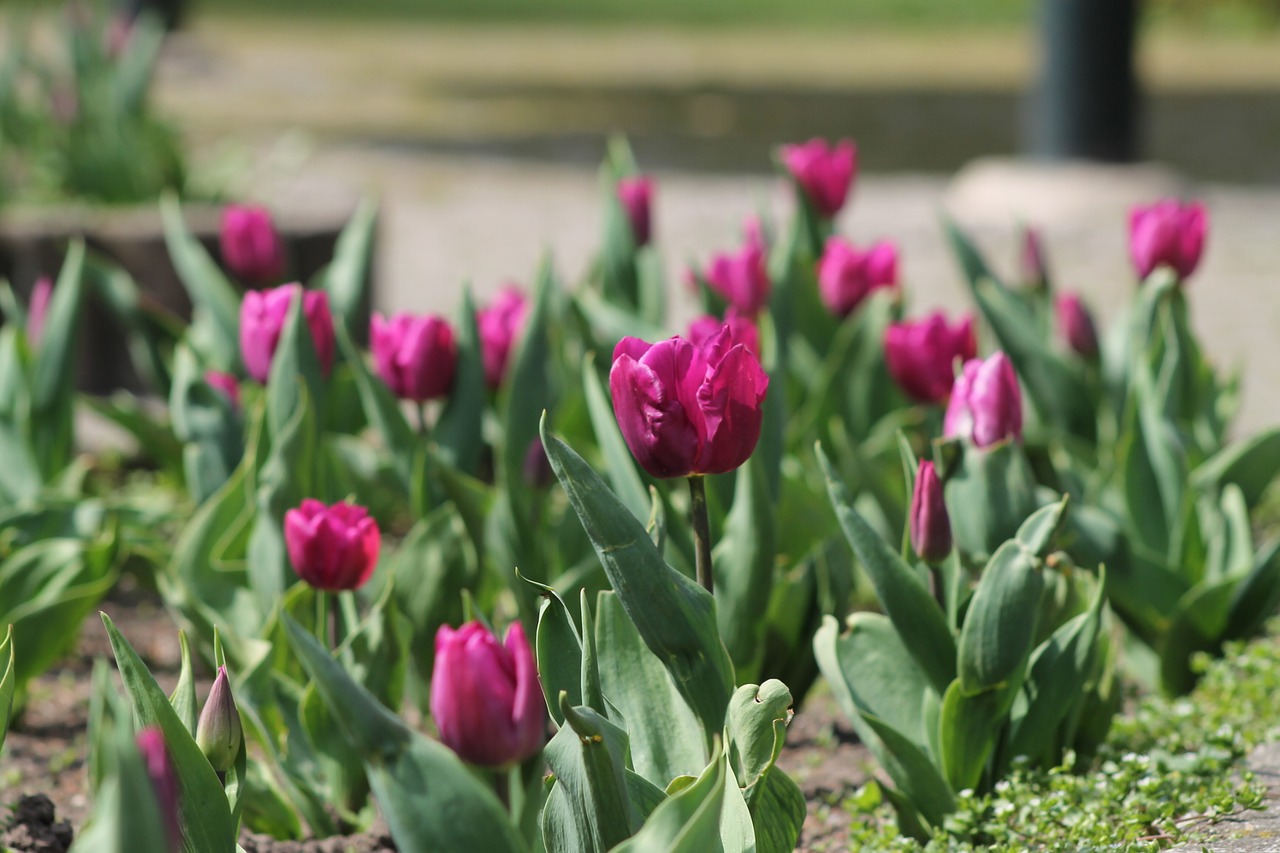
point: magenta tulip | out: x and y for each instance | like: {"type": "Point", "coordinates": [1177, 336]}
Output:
{"type": "Point", "coordinates": [164, 779]}
{"type": "Point", "coordinates": [485, 696]}
{"type": "Point", "coordinates": [1076, 325]}
{"type": "Point", "coordinates": [685, 409]}
{"type": "Point", "coordinates": [921, 355]}
{"type": "Point", "coordinates": [415, 356]}
{"type": "Point", "coordinates": [986, 403]}
{"type": "Point", "coordinates": [636, 196]}
{"type": "Point", "coordinates": [251, 246]}
{"type": "Point", "coordinates": [824, 173]}
{"type": "Point", "coordinates": [262, 317]}
{"type": "Point", "coordinates": [499, 325]}
{"type": "Point", "coordinates": [930, 526]}
{"type": "Point", "coordinates": [1033, 268]}
{"type": "Point", "coordinates": [332, 547]}
{"type": "Point", "coordinates": [38, 309]}
{"type": "Point", "coordinates": [218, 731]}
{"type": "Point", "coordinates": [847, 275]}
{"type": "Point", "coordinates": [741, 278]}
{"type": "Point", "coordinates": [1167, 233]}
{"type": "Point", "coordinates": [742, 330]}
{"type": "Point", "coordinates": [225, 384]}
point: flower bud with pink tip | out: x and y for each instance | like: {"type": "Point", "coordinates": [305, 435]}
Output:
{"type": "Point", "coordinates": [1076, 325]}
{"type": "Point", "coordinates": [499, 325]}
{"type": "Point", "coordinates": [930, 526]}
{"type": "Point", "coordinates": [636, 196]}
{"type": "Point", "coordinates": [986, 403]}
{"type": "Point", "coordinates": [251, 245]}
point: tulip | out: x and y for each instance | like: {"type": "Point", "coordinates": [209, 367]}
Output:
{"type": "Point", "coordinates": [742, 330]}
{"type": "Point", "coordinates": [822, 172]}
{"type": "Point", "coordinates": [499, 324]}
{"type": "Point", "coordinates": [164, 780]}
{"type": "Point", "coordinates": [332, 547]}
{"type": "Point", "coordinates": [262, 317]}
{"type": "Point", "coordinates": [485, 696]}
{"type": "Point", "coordinates": [225, 384]}
{"type": "Point", "coordinates": [218, 732]}
{"type": "Point", "coordinates": [1076, 325]}
{"type": "Point", "coordinates": [847, 275]}
{"type": "Point", "coordinates": [1167, 233]}
{"type": "Point", "coordinates": [636, 196]}
{"type": "Point", "coordinates": [685, 409]}
{"type": "Point", "coordinates": [921, 355]}
{"type": "Point", "coordinates": [537, 471]}
{"type": "Point", "coordinates": [415, 356]}
{"type": "Point", "coordinates": [1033, 268]}
{"type": "Point", "coordinates": [38, 309]}
{"type": "Point", "coordinates": [753, 232]}
{"type": "Point", "coordinates": [930, 525]}
{"type": "Point", "coordinates": [986, 403]}
{"type": "Point", "coordinates": [251, 246]}
{"type": "Point", "coordinates": [741, 278]}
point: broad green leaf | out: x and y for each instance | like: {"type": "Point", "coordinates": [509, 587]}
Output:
{"type": "Point", "coordinates": [559, 652]}
{"type": "Point", "coordinates": [1251, 464]}
{"type": "Point", "coordinates": [346, 279]}
{"type": "Point", "coordinates": [183, 697]}
{"type": "Point", "coordinates": [529, 385]}
{"type": "Point", "coordinates": [6, 683]}
{"type": "Point", "coordinates": [989, 493]}
{"type": "Point", "coordinates": [756, 730]}
{"type": "Point", "coordinates": [382, 410]}
{"type": "Point", "coordinates": [618, 464]}
{"type": "Point", "coordinates": [1000, 625]}
{"type": "Point", "coordinates": [968, 725]}
{"type": "Point", "coordinates": [1197, 625]}
{"type": "Point", "coordinates": [458, 431]}
{"type": "Point", "coordinates": [913, 771]}
{"type": "Point", "coordinates": [778, 812]}
{"type": "Point", "coordinates": [689, 820]}
{"type": "Point", "coordinates": [215, 302]}
{"type": "Point", "coordinates": [55, 358]}
{"type": "Point", "coordinates": [592, 810]}
{"type": "Point", "coordinates": [743, 560]}
{"type": "Point", "coordinates": [1037, 533]}
{"type": "Point", "coordinates": [126, 816]}
{"type": "Point", "coordinates": [1256, 595]}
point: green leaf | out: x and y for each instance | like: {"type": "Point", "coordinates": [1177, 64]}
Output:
{"type": "Point", "coordinates": [756, 730]}
{"type": "Point", "coordinates": [778, 811]}
{"type": "Point", "coordinates": [215, 302]}
{"type": "Point", "coordinates": [559, 652]}
{"type": "Point", "coordinates": [1000, 625]}
{"type": "Point", "coordinates": [743, 560]}
{"type": "Point", "coordinates": [688, 821]}
{"type": "Point", "coordinates": [968, 724]}
{"type": "Point", "coordinates": [529, 390]}
{"type": "Point", "coordinates": [1038, 532]}
{"type": "Point", "coordinates": [458, 431]}
{"type": "Point", "coordinates": [183, 697]}
{"type": "Point", "coordinates": [1256, 596]}
{"type": "Point", "coordinates": [1197, 625]}
{"type": "Point", "coordinates": [382, 410]}
{"type": "Point", "coordinates": [912, 770]}
{"type": "Point", "coordinates": [1252, 465]}
{"type": "Point", "coordinates": [6, 683]}
{"type": "Point", "coordinates": [618, 464]}
{"type": "Point", "coordinates": [989, 494]}
{"type": "Point", "coordinates": [346, 278]}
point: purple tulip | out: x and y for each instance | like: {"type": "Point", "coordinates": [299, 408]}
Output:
{"type": "Point", "coordinates": [742, 330]}
{"type": "Point", "coordinates": [1033, 268]}
{"type": "Point", "coordinates": [415, 356]}
{"type": "Point", "coordinates": [38, 309]}
{"type": "Point", "coordinates": [218, 732]}
{"type": "Point", "coordinates": [636, 195]}
{"type": "Point", "coordinates": [537, 471]}
{"type": "Point", "coordinates": [251, 246]}
{"type": "Point", "coordinates": [1167, 233]}
{"type": "Point", "coordinates": [986, 403]}
{"type": "Point", "coordinates": [164, 780]}
{"type": "Point", "coordinates": [824, 173]}
{"type": "Point", "coordinates": [1076, 324]}
{"type": "Point", "coordinates": [499, 325]}
{"type": "Point", "coordinates": [262, 317]}
{"type": "Point", "coordinates": [225, 384]}
{"type": "Point", "coordinates": [930, 525]}
{"type": "Point", "coordinates": [485, 696]}
{"type": "Point", "coordinates": [686, 409]}
{"type": "Point", "coordinates": [741, 278]}
{"type": "Point", "coordinates": [753, 233]}
{"type": "Point", "coordinates": [332, 547]}
{"type": "Point", "coordinates": [921, 355]}
{"type": "Point", "coordinates": [847, 275]}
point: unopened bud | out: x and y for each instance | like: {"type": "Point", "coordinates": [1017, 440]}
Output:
{"type": "Point", "coordinates": [218, 731]}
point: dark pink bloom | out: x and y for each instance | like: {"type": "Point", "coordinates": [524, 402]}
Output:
{"type": "Point", "coordinates": [930, 526]}
{"type": "Point", "coordinates": [415, 356]}
{"type": "Point", "coordinates": [823, 172]}
{"type": "Point", "coordinates": [636, 196]}
{"type": "Point", "coordinates": [986, 403]}
{"type": "Point", "coordinates": [225, 384]}
{"type": "Point", "coordinates": [921, 355]}
{"type": "Point", "coordinates": [499, 325]}
{"type": "Point", "coordinates": [537, 471]}
{"type": "Point", "coordinates": [38, 309]}
{"type": "Point", "coordinates": [251, 246]}
{"type": "Point", "coordinates": [741, 278]}
{"type": "Point", "coordinates": [847, 275]}
{"type": "Point", "coordinates": [262, 317]}
{"type": "Point", "coordinates": [1076, 325]}
{"type": "Point", "coordinates": [164, 779]}
{"type": "Point", "coordinates": [1167, 233]}
{"type": "Point", "coordinates": [485, 696]}
{"type": "Point", "coordinates": [686, 409]}
{"type": "Point", "coordinates": [1033, 268]}
{"type": "Point", "coordinates": [742, 330]}
{"type": "Point", "coordinates": [332, 547]}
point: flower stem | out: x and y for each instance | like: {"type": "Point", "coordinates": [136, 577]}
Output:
{"type": "Point", "coordinates": [701, 531]}
{"type": "Point", "coordinates": [423, 431]}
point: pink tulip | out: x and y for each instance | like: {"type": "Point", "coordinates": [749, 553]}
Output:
{"type": "Point", "coordinates": [262, 317]}
{"type": "Point", "coordinates": [921, 355]}
{"type": "Point", "coordinates": [38, 309]}
{"type": "Point", "coordinates": [225, 384]}
{"type": "Point", "coordinates": [499, 325]}
{"type": "Point", "coordinates": [741, 278]}
{"type": "Point", "coordinates": [218, 731]}
{"type": "Point", "coordinates": [822, 172]}
{"type": "Point", "coordinates": [847, 275]}
{"type": "Point", "coordinates": [1033, 268]}
{"type": "Point", "coordinates": [753, 233]}
{"type": "Point", "coordinates": [986, 403]}
{"type": "Point", "coordinates": [415, 356]}
{"type": "Point", "coordinates": [332, 547]}
{"type": "Point", "coordinates": [742, 330]}
{"type": "Point", "coordinates": [685, 409]}
{"type": "Point", "coordinates": [636, 195]}
{"type": "Point", "coordinates": [164, 779]}
{"type": "Point", "coordinates": [1167, 233]}
{"type": "Point", "coordinates": [485, 696]}
{"type": "Point", "coordinates": [1076, 325]}
{"type": "Point", "coordinates": [251, 246]}
{"type": "Point", "coordinates": [930, 526]}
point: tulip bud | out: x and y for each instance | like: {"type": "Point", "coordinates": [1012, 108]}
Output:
{"type": "Point", "coordinates": [823, 173]}
{"type": "Point", "coordinates": [921, 355]}
{"type": "Point", "coordinates": [537, 467]}
{"type": "Point", "coordinates": [415, 356]}
{"type": "Point", "coordinates": [1033, 269]}
{"type": "Point", "coordinates": [38, 309]}
{"type": "Point", "coordinates": [164, 780]}
{"type": "Point", "coordinates": [753, 233]}
{"type": "Point", "coordinates": [847, 275]}
{"type": "Point", "coordinates": [218, 730]}
{"type": "Point", "coordinates": [636, 196]}
{"type": "Point", "coordinates": [930, 526]}
{"type": "Point", "coordinates": [1076, 325]}
{"type": "Point", "coordinates": [262, 317]}
{"type": "Point", "coordinates": [332, 547]}
{"type": "Point", "coordinates": [485, 696]}
{"type": "Point", "coordinates": [225, 384]}
{"type": "Point", "coordinates": [986, 403]}
{"type": "Point", "coordinates": [741, 278]}
{"type": "Point", "coordinates": [742, 330]}
{"type": "Point", "coordinates": [251, 246]}
{"type": "Point", "coordinates": [499, 325]}
{"type": "Point", "coordinates": [686, 409]}
{"type": "Point", "coordinates": [1167, 233]}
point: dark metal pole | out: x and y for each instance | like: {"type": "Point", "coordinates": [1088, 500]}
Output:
{"type": "Point", "coordinates": [1086, 100]}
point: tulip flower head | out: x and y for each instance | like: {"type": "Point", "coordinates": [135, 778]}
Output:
{"type": "Point", "coordinates": [824, 173]}
{"type": "Point", "coordinates": [251, 246]}
{"type": "Point", "coordinates": [262, 317]}
{"type": "Point", "coordinates": [218, 731]}
{"type": "Point", "coordinates": [636, 196]}
{"type": "Point", "coordinates": [332, 547]}
{"type": "Point", "coordinates": [415, 356]}
{"type": "Point", "coordinates": [685, 409]}
{"type": "Point", "coordinates": [485, 696]}
{"type": "Point", "coordinates": [225, 384]}
{"type": "Point", "coordinates": [1033, 269]}
{"type": "Point", "coordinates": [1076, 325]}
{"type": "Point", "coordinates": [741, 278]}
{"type": "Point", "coordinates": [499, 325]}
{"type": "Point", "coordinates": [847, 275]}
{"type": "Point", "coordinates": [921, 355]}
{"type": "Point", "coordinates": [986, 403]}
{"type": "Point", "coordinates": [929, 524]}
{"type": "Point", "coordinates": [742, 330]}
{"type": "Point", "coordinates": [38, 309]}
{"type": "Point", "coordinates": [164, 779]}
{"type": "Point", "coordinates": [1167, 233]}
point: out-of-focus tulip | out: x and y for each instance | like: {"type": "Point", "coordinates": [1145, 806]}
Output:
{"type": "Point", "coordinates": [332, 547]}
{"type": "Point", "coordinates": [164, 780]}
{"type": "Point", "coordinates": [742, 330]}
{"type": "Point", "coordinates": [825, 173]}
{"type": "Point", "coordinates": [262, 317]}
{"type": "Point", "coordinates": [986, 403]}
{"type": "Point", "coordinates": [38, 309]}
{"type": "Point", "coordinates": [1167, 233]}
{"type": "Point", "coordinates": [415, 356]}
{"type": "Point", "coordinates": [1033, 269]}
{"type": "Point", "coordinates": [847, 275]}
{"type": "Point", "coordinates": [537, 471]}
{"type": "Point", "coordinates": [485, 696]}
{"type": "Point", "coordinates": [218, 731]}
{"type": "Point", "coordinates": [930, 525]}
{"type": "Point", "coordinates": [225, 384]}
{"type": "Point", "coordinates": [251, 246]}
{"type": "Point", "coordinates": [741, 278]}
{"type": "Point", "coordinates": [1076, 325]}
{"type": "Point", "coordinates": [921, 355]}
{"type": "Point", "coordinates": [685, 409]}
{"type": "Point", "coordinates": [499, 325]}
{"type": "Point", "coordinates": [753, 233]}
{"type": "Point", "coordinates": [636, 195]}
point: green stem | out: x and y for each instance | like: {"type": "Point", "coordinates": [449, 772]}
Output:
{"type": "Point", "coordinates": [701, 531]}
{"type": "Point", "coordinates": [423, 431]}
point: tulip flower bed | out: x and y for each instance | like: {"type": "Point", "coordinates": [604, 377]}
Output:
{"type": "Point", "coordinates": [456, 584]}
